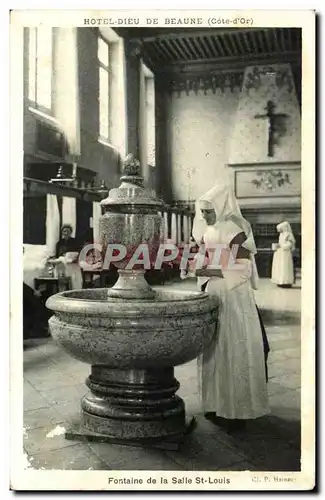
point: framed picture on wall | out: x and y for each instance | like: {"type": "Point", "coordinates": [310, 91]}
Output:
{"type": "Point", "coordinates": [275, 182]}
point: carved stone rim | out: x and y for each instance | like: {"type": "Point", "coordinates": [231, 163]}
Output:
{"type": "Point", "coordinates": [177, 303]}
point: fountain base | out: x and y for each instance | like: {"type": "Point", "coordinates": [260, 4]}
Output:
{"type": "Point", "coordinates": [173, 443]}
{"type": "Point", "coordinates": [132, 406]}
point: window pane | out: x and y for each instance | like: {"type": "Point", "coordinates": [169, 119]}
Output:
{"type": "Point", "coordinates": [32, 65]}
{"type": "Point", "coordinates": [103, 51]}
{"type": "Point", "coordinates": [44, 67]}
{"type": "Point", "coordinates": [103, 103]}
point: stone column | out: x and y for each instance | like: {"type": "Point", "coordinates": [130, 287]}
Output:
{"type": "Point", "coordinates": [166, 225]}
{"type": "Point", "coordinates": [162, 145]}
{"type": "Point", "coordinates": [179, 229]}
{"type": "Point", "coordinates": [132, 72]}
{"type": "Point", "coordinates": [163, 235]}
{"type": "Point", "coordinates": [143, 150]}
{"type": "Point", "coordinates": [185, 229]}
{"type": "Point", "coordinates": [174, 228]}
{"type": "Point", "coordinates": [190, 225]}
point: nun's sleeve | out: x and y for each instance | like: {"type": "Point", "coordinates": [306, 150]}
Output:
{"type": "Point", "coordinates": [240, 271]}
{"type": "Point", "coordinates": [238, 274]}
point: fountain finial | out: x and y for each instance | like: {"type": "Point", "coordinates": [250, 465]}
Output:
{"type": "Point", "coordinates": [131, 165]}
{"type": "Point", "coordinates": [132, 170]}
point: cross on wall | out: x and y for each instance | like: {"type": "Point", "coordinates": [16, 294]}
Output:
{"type": "Point", "coordinates": [273, 119]}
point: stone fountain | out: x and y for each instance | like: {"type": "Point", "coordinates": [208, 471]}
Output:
{"type": "Point", "coordinates": [132, 335]}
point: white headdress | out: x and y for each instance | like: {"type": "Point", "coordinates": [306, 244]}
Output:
{"type": "Point", "coordinates": [286, 228]}
{"type": "Point", "coordinates": [222, 199]}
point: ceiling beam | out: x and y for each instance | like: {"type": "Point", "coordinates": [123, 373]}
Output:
{"type": "Point", "coordinates": [261, 41]}
{"type": "Point", "coordinates": [297, 39]}
{"type": "Point", "coordinates": [248, 46]}
{"type": "Point", "coordinates": [220, 47]}
{"type": "Point", "coordinates": [192, 45]}
{"type": "Point", "coordinates": [188, 46]}
{"type": "Point", "coordinates": [254, 43]}
{"type": "Point", "coordinates": [183, 48]}
{"type": "Point", "coordinates": [201, 47]}
{"type": "Point", "coordinates": [268, 41]}
{"type": "Point", "coordinates": [235, 50]}
{"type": "Point", "coordinates": [275, 38]}
{"type": "Point", "coordinates": [229, 63]}
{"type": "Point", "coordinates": [282, 38]}
{"type": "Point", "coordinates": [148, 59]}
{"type": "Point", "coordinates": [174, 51]}
{"type": "Point", "coordinates": [225, 43]}
{"type": "Point", "coordinates": [211, 47]}
{"type": "Point", "coordinates": [164, 49]}
{"type": "Point", "coordinates": [289, 40]}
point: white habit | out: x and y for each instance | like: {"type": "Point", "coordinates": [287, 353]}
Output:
{"type": "Point", "coordinates": [232, 376]}
{"type": "Point", "coordinates": [282, 265]}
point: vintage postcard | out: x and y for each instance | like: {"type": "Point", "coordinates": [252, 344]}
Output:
{"type": "Point", "coordinates": [165, 241]}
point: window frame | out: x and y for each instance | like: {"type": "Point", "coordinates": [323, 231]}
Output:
{"type": "Point", "coordinates": [33, 104]}
{"type": "Point", "coordinates": [108, 69]}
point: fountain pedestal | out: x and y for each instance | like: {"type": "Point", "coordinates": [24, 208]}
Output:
{"type": "Point", "coordinates": [132, 335]}
{"type": "Point", "coordinates": [137, 407]}
{"type": "Point", "coordinates": [128, 403]}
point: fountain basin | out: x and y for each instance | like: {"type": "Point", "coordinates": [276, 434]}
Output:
{"type": "Point", "coordinates": [169, 330]}
{"type": "Point", "coordinates": [132, 347]}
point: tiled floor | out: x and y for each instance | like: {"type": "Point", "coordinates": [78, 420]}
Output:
{"type": "Point", "coordinates": [53, 385]}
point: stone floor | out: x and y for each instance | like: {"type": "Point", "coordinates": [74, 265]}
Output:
{"type": "Point", "coordinates": [53, 386]}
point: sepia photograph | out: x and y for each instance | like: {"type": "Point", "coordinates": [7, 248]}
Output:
{"type": "Point", "coordinates": [162, 252]}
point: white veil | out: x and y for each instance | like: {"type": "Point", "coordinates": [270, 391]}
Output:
{"type": "Point", "coordinates": [285, 227]}
{"type": "Point", "coordinates": [222, 199]}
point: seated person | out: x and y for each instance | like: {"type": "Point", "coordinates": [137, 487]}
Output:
{"type": "Point", "coordinates": [66, 257]}
{"type": "Point", "coordinates": [66, 243]}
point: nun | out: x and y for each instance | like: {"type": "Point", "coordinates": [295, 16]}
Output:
{"type": "Point", "coordinates": [233, 367]}
{"type": "Point", "coordinates": [282, 265]}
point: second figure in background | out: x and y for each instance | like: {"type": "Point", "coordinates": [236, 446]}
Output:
{"type": "Point", "coordinates": [282, 265]}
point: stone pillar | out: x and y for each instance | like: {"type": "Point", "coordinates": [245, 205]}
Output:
{"type": "Point", "coordinates": [151, 124]}
{"type": "Point", "coordinates": [163, 234]}
{"type": "Point", "coordinates": [185, 229]}
{"type": "Point", "coordinates": [143, 150]}
{"type": "Point", "coordinates": [190, 225]}
{"type": "Point", "coordinates": [163, 153]}
{"type": "Point", "coordinates": [179, 229]}
{"type": "Point", "coordinates": [132, 72]}
{"type": "Point", "coordinates": [166, 225]}
{"type": "Point", "coordinates": [174, 229]}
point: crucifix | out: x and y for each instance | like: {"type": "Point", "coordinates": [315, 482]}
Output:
{"type": "Point", "coordinates": [272, 118]}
